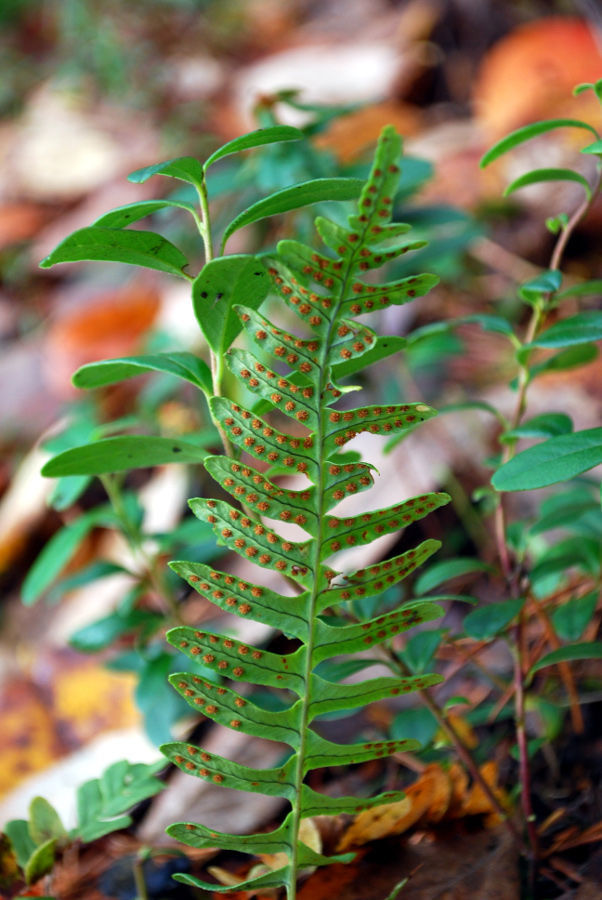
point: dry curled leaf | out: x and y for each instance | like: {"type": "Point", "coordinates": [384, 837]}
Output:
{"type": "Point", "coordinates": [438, 794]}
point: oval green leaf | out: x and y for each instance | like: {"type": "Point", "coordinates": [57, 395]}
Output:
{"type": "Point", "coordinates": [546, 282]}
{"type": "Point", "coordinates": [571, 619]}
{"type": "Point", "coordinates": [588, 650]}
{"type": "Point", "coordinates": [543, 426]}
{"type": "Point", "coordinates": [295, 197]}
{"type": "Point", "coordinates": [258, 138]}
{"type": "Point", "coordinates": [109, 371]}
{"type": "Point", "coordinates": [222, 284]}
{"type": "Point", "coordinates": [119, 454]}
{"type": "Point", "coordinates": [537, 176]}
{"type": "Point", "coordinates": [585, 289]}
{"type": "Point", "coordinates": [55, 555]}
{"type": "Point", "coordinates": [584, 328]}
{"type": "Point", "coordinates": [557, 459]}
{"type": "Point", "coordinates": [484, 623]}
{"type": "Point", "coordinates": [123, 216]}
{"type": "Point", "coordinates": [530, 131]}
{"type": "Point", "coordinates": [41, 861]}
{"type": "Point", "coordinates": [184, 168]}
{"type": "Point", "coordinates": [136, 248]}
{"type": "Point", "coordinates": [571, 358]}
{"type": "Point", "coordinates": [446, 569]}
{"type": "Point", "coordinates": [487, 322]}
{"type": "Point", "coordinates": [595, 148]}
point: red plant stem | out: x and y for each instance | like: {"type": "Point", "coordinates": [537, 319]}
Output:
{"type": "Point", "coordinates": [461, 748]}
{"type": "Point", "coordinates": [563, 668]}
{"type": "Point", "coordinates": [521, 739]}
{"type": "Point", "coordinates": [509, 566]}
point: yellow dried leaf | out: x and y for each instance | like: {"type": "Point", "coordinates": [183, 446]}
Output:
{"type": "Point", "coordinates": [376, 823]}
{"type": "Point", "coordinates": [476, 802]}
{"type": "Point", "coordinates": [459, 786]}
{"type": "Point", "coordinates": [463, 729]}
{"type": "Point", "coordinates": [442, 793]}
{"type": "Point", "coordinates": [308, 835]}
{"type": "Point", "coordinates": [28, 738]}
{"type": "Point", "coordinates": [90, 699]}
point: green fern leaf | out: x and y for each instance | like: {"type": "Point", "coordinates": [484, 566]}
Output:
{"type": "Point", "coordinates": [299, 390]}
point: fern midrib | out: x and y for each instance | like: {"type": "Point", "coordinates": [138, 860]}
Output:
{"type": "Point", "coordinates": [316, 562]}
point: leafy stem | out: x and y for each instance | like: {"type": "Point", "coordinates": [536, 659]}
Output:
{"type": "Point", "coordinates": [216, 361]}
{"type": "Point", "coordinates": [135, 540]}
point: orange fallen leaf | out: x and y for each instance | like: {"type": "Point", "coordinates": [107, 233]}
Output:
{"type": "Point", "coordinates": [530, 74]}
{"type": "Point", "coordinates": [476, 802]}
{"type": "Point", "coordinates": [350, 135]}
{"type": "Point", "coordinates": [459, 786]}
{"type": "Point", "coordinates": [109, 325]}
{"type": "Point", "coordinates": [19, 222]}
{"type": "Point", "coordinates": [41, 720]}
{"type": "Point", "coordinates": [437, 795]}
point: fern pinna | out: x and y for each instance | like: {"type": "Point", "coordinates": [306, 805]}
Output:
{"type": "Point", "coordinates": [325, 293]}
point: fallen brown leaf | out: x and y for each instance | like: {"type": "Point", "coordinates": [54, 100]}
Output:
{"type": "Point", "coordinates": [438, 794]}
{"type": "Point", "coordinates": [108, 325]}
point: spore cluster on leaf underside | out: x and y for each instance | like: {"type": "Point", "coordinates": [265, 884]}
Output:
{"type": "Point", "coordinates": [325, 293]}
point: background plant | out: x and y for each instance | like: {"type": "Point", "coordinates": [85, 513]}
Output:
{"type": "Point", "coordinates": [548, 562]}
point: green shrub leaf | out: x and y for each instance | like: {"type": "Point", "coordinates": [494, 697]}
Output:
{"type": "Point", "coordinates": [543, 426]}
{"type": "Point", "coordinates": [554, 460]}
{"type": "Point", "coordinates": [21, 841]}
{"type": "Point", "coordinates": [585, 289]}
{"type": "Point", "coordinates": [295, 197]}
{"type": "Point", "coordinates": [595, 148]}
{"type": "Point", "coordinates": [487, 621]}
{"type": "Point", "coordinates": [110, 371]}
{"type": "Point", "coordinates": [583, 328]}
{"type": "Point", "coordinates": [222, 284]}
{"type": "Point", "coordinates": [102, 803]}
{"type": "Point", "coordinates": [571, 358]}
{"type": "Point", "coordinates": [184, 168]}
{"type": "Point", "coordinates": [41, 861]}
{"type": "Point", "coordinates": [58, 551]}
{"type": "Point", "coordinates": [44, 822]}
{"type": "Point", "coordinates": [530, 131]}
{"type": "Point", "coordinates": [123, 216]}
{"type": "Point", "coordinates": [445, 570]}
{"type": "Point", "coordinates": [257, 138]}
{"type": "Point", "coordinates": [572, 618]}
{"type": "Point", "coordinates": [592, 650]}
{"type": "Point", "coordinates": [135, 248]}
{"type": "Point", "coordinates": [545, 283]}
{"type": "Point", "coordinates": [119, 454]}
{"type": "Point", "coordinates": [538, 176]}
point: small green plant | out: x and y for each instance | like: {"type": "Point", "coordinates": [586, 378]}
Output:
{"type": "Point", "coordinates": [548, 563]}
{"type": "Point", "coordinates": [295, 380]}
{"type": "Point", "coordinates": [102, 807]}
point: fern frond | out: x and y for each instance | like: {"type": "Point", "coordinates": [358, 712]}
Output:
{"type": "Point", "coordinates": [325, 293]}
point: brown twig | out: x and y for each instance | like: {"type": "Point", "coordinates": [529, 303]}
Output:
{"type": "Point", "coordinates": [461, 748]}
{"type": "Point", "coordinates": [563, 668]}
